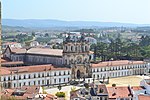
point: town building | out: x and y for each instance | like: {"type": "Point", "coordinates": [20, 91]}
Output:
{"type": "Point", "coordinates": [120, 68]}
{"type": "Point", "coordinates": [119, 93]}
{"type": "Point", "coordinates": [38, 55]}
{"type": "Point", "coordinates": [38, 75]}
{"type": "Point", "coordinates": [95, 92]}
{"type": "Point", "coordinates": [34, 44]}
{"type": "Point", "coordinates": [141, 92]}
{"type": "Point", "coordinates": [11, 44]}
{"type": "Point", "coordinates": [26, 93]}
{"type": "Point", "coordinates": [76, 53]}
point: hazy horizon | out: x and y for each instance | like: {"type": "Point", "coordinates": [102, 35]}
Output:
{"type": "Point", "coordinates": [122, 11]}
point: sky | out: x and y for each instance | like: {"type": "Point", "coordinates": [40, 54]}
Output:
{"type": "Point", "coordinates": [126, 11]}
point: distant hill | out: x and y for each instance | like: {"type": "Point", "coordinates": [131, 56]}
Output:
{"type": "Point", "coordinates": [59, 23]}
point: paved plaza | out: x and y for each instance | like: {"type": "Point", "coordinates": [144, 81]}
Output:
{"type": "Point", "coordinates": [121, 81]}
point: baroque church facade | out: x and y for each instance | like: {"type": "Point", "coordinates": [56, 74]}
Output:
{"type": "Point", "coordinates": [76, 55]}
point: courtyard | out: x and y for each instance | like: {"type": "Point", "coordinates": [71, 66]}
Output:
{"type": "Point", "coordinates": [121, 81]}
{"type": "Point", "coordinates": [126, 81]}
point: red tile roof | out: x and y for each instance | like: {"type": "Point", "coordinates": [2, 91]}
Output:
{"type": "Point", "coordinates": [50, 97]}
{"type": "Point", "coordinates": [18, 50]}
{"type": "Point", "coordinates": [136, 88]}
{"type": "Point", "coordinates": [45, 51]}
{"type": "Point", "coordinates": [143, 97]}
{"type": "Point", "coordinates": [103, 87]}
{"type": "Point", "coordinates": [116, 63]}
{"type": "Point", "coordinates": [29, 92]}
{"type": "Point", "coordinates": [12, 63]}
{"type": "Point", "coordinates": [118, 92]}
{"type": "Point", "coordinates": [30, 69]}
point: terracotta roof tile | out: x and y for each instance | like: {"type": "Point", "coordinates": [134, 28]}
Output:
{"type": "Point", "coordinates": [118, 92]}
{"type": "Point", "coordinates": [143, 97]}
{"type": "Point", "coordinates": [30, 69]}
{"type": "Point", "coordinates": [12, 63]}
{"type": "Point", "coordinates": [136, 88]}
{"type": "Point", "coordinates": [45, 51]}
{"type": "Point", "coordinates": [116, 63]}
{"type": "Point", "coordinates": [18, 50]}
{"type": "Point", "coordinates": [103, 87]}
{"type": "Point", "coordinates": [4, 71]}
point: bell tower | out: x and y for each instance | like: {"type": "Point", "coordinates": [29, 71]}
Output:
{"type": "Point", "coordinates": [76, 56]}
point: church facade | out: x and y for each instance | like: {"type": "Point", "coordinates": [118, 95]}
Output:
{"type": "Point", "coordinates": [76, 55]}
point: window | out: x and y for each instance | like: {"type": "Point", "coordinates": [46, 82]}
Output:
{"type": "Point", "coordinates": [42, 81]}
{"type": "Point", "coordinates": [42, 74]}
{"type": "Point", "coordinates": [20, 84]}
{"type": "Point", "coordinates": [14, 85]}
{"type": "Point", "coordinates": [54, 80]}
{"type": "Point", "coordinates": [19, 77]}
{"type": "Point", "coordinates": [59, 73]}
{"type": "Point", "coordinates": [24, 76]}
{"type": "Point", "coordinates": [34, 83]}
{"type": "Point", "coordinates": [4, 79]}
{"type": "Point", "coordinates": [64, 79]}
{"type": "Point", "coordinates": [29, 76]}
{"type": "Point", "coordinates": [14, 78]}
{"type": "Point", "coordinates": [47, 74]}
{"type": "Point", "coordinates": [34, 75]}
{"type": "Point", "coordinates": [29, 84]}
{"type": "Point", "coordinates": [55, 74]}
{"type": "Point", "coordinates": [68, 73]}
{"type": "Point", "coordinates": [93, 70]}
{"type": "Point", "coordinates": [59, 80]}
{"type": "Point", "coordinates": [101, 98]}
{"type": "Point", "coordinates": [71, 48]}
{"type": "Point", "coordinates": [64, 73]}
{"type": "Point", "coordinates": [66, 48]}
{"type": "Point", "coordinates": [94, 76]}
{"type": "Point", "coordinates": [24, 83]}
{"type": "Point", "coordinates": [38, 81]}
{"type": "Point", "coordinates": [8, 78]}
{"type": "Point", "coordinates": [68, 79]}
{"type": "Point", "coordinates": [39, 75]}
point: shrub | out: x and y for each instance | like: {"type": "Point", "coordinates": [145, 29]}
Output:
{"type": "Point", "coordinates": [113, 85]}
{"type": "Point", "coordinates": [86, 85]}
{"type": "Point", "coordinates": [60, 94]}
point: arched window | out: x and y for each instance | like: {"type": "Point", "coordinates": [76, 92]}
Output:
{"type": "Point", "coordinates": [71, 48]}
{"type": "Point", "coordinates": [66, 48]}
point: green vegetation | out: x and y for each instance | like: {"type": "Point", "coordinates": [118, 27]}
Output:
{"type": "Point", "coordinates": [121, 50]}
{"type": "Point", "coordinates": [86, 85]}
{"type": "Point", "coordinates": [43, 39]}
{"type": "Point", "coordinates": [60, 94]}
{"type": "Point", "coordinates": [44, 92]}
{"type": "Point", "coordinates": [113, 85]}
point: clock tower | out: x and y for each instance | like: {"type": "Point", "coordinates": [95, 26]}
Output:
{"type": "Point", "coordinates": [76, 56]}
